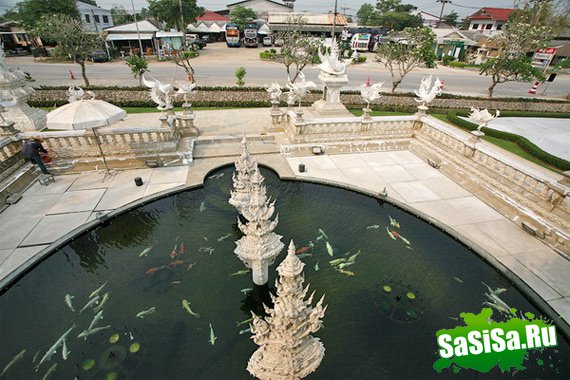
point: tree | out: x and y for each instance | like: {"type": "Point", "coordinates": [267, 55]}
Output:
{"type": "Point", "coordinates": [71, 38]}
{"type": "Point", "coordinates": [394, 14]}
{"type": "Point", "coordinates": [529, 28]}
{"type": "Point", "coordinates": [90, 2]}
{"type": "Point", "coordinates": [169, 12]}
{"type": "Point", "coordinates": [451, 18]}
{"type": "Point", "coordinates": [121, 16]}
{"type": "Point", "coordinates": [240, 14]}
{"type": "Point", "coordinates": [31, 11]}
{"type": "Point", "coordinates": [298, 49]}
{"type": "Point", "coordinates": [138, 66]}
{"type": "Point", "coordinates": [364, 14]}
{"type": "Point", "coordinates": [240, 75]}
{"type": "Point", "coordinates": [406, 51]}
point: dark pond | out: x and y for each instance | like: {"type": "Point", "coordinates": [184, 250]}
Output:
{"type": "Point", "coordinates": [369, 332]}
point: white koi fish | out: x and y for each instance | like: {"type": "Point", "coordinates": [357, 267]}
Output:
{"type": "Point", "coordinates": [246, 290]}
{"type": "Point", "coordinates": [89, 304]}
{"type": "Point", "coordinates": [68, 298]}
{"type": "Point", "coordinates": [146, 251]}
{"type": "Point", "coordinates": [390, 234]}
{"type": "Point", "coordinates": [316, 267]}
{"type": "Point", "coordinates": [90, 332]}
{"type": "Point", "coordinates": [221, 238]}
{"type": "Point", "coordinates": [394, 222]}
{"type": "Point", "coordinates": [96, 291]}
{"type": "Point", "coordinates": [322, 233]}
{"type": "Point", "coordinates": [241, 332]}
{"type": "Point", "coordinates": [186, 306]}
{"type": "Point", "coordinates": [330, 249]}
{"type": "Point", "coordinates": [96, 319]}
{"type": "Point", "coordinates": [240, 272]}
{"type": "Point", "coordinates": [19, 356]}
{"type": "Point", "coordinates": [53, 349]}
{"type": "Point", "coordinates": [103, 301]}
{"type": "Point", "coordinates": [50, 371]}
{"type": "Point", "coordinates": [373, 227]}
{"type": "Point", "coordinates": [203, 206]}
{"type": "Point", "coordinates": [65, 351]}
{"type": "Point", "coordinates": [213, 337]}
{"type": "Point", "coordinates": [145, 313]}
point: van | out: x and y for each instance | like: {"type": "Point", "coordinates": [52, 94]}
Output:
{"type": "Point", "coordinates": [267, 41]}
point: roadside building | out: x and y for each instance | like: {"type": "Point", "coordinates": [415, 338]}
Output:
{"type": "Point", "coordinates": [427, 18]}
{"type": "Point", "coordinates": [15, 39]}
{"type": "Point", "coordinates": [211, 24]}
{"type": "Point", "coordinates": [452, 42]}
{"type": "Point", "coordinates": [94, 18]}
{"type": "Point", "coordinates": [317, 24]}
{"type": "Point", "coordinates": [489, 20]}
{"type": "Point", "coordinates": [262, 8]}
{"type": "Point", "coordinates": [125, 37]}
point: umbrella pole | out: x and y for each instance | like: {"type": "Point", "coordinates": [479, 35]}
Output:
{"type": "Point", "coordinates": [102, 154]}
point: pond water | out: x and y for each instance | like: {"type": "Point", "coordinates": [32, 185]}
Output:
{"type": "Point", "coordinates": [382, 316]}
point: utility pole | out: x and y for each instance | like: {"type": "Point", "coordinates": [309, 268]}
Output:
{"type": "Point", "coordinates": [138, 31]}
{"type": "Point", "coordinates": [334, 18]}
{"type": "Point", "coordinates": [442, 6]}
{"type": "Point", "coordinates": [182, 17]}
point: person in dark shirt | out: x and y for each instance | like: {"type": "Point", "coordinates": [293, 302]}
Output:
{"type": "Point", "coordinates": [31, 151]}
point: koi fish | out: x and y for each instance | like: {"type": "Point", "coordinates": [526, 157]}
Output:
{"type": "Point", "coordinates": [238, 324]}
{"type": "Point", "coordinates": [337, 261]}
{"type": "Point", "coordinates": [213, 337]}
{"type": "Point", "coordinates": [458, 280]}
{"type": "Point", "coordinates": [322, 233]}
{"type": "Point", "coordinates": [96, 319]}
{"type": "Point", "coordinates": [401, 237]}
{"type": "Point", "coordinates": [91, 302]}
{"type": "Point", "coordinates": [303, 250]}
{"type": "Point", "coordinates": [186, 306]}
{"type": "Point", "coordinates": [203, 206]}
{"type": "Point", "coordinates": [174, 251]}
{"type": "Point", "coordinates": [373, 227]}
{"type": "Point", "coordinates": [330, 249]}
{"type": "Point", "coordinates": [240, 272]}
{"type": "Point", "coordinates": [344, 265]}
{"type": "Point", "coordinates": [50, 371]}
{"type": "Point", "coordinates": [182, 249]}
{"type": "Point", "coordinates": [216, 176]}
{"type": "Point", "coordinates": [346, 272]}
{"type": "Point", "coordinates": [103, 301]}
{"type": "Point", "coordinates": [394, 222]}
{"type": "Point", "coordinates": [68, 298]}
{"type": "Point", "coordinates": [190, 266]}
{"type": "Point", "coordinates": [53, 349]}
{"type": "Point", "coordinates": [206, 250]}
{"type": "Point", "coordinates": [352, 258]}
{"type": "Point", "coordinates": [390, 234]}
{"type": "Point", "coordinates": [246, 290]}
{"type": "Point", "coordinates": [19, 356]}
{"type": "Point", "coordinates": [175, 263]}
{"type": "Point", "coordinates": [316, 267]}
{"type": "Point", "coordinates": [153, 270]}
{"type": "Point", "coordinates": [301, 256]}
{"type": "Point", "coordinates": [146, 313]}
{"type": "Point", "coordinates": [241, 332]}
{"type": "Point", "coordinates": [224, 237]}
{"type": "Point", "coordinates": [85, 333]}
{"type": "Point", "coordinates": [65, 351]}
{"type": "Point", "coordinates": [96, 291]}
{"type": "Point", "coordinates": [146, 251]}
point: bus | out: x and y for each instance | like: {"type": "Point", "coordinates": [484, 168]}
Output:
{"type": "Point", "coordinates": [250, 34]}
{"type": "Point", "coordinates": [232, 35]}
{"type": "Point", "coordinates": [360, 41]}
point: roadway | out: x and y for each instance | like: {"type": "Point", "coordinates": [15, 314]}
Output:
{"type": "Point", "coordinates": [216, 66]}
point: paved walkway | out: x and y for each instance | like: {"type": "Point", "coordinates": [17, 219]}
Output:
{"type": "Point", "coordinates": [46, 213]}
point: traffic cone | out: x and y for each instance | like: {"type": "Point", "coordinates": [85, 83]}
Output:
{"type": "Point", "coordinates": [71, 76]}
{"type": "Point", "coordinates": [534, 87]}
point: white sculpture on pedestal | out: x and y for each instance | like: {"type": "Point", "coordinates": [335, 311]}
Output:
{"type": "Point", "coordinates": [331, 62]}
{"type": "Point", "coordinates": [161, 94]}
{"type": "Point", "coordinates": [300, 89]}
{"type": "Point", "coordinates": [259, 246]}
{"type": "Point", "coordinates": [287, 350]}
{"type": "Point", "coordinates": [245, 167]}
{"type": "Point", "coordinates": [482, 117]}
{"type": "Point", "coordinates": [186, 121]}
{"type": "Point", "coordinates": [14, 86]}
{"type": "Point", "coordinates": [274, 91]}
{"type": "Point", "coordinates": [427, 93]}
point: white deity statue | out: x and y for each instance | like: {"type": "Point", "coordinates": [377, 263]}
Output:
{"type": "Point", "coordinates": [482, 117]}
{"type": "Point", "coordinates": [331, 62]}
{"type": "Point", "coordinates": [427, 93]}
{"type": "Point", "coordinates": [274, 91]}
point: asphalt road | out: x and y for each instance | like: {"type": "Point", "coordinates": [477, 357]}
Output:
{"type": "Point", "coordinates": [217, 64]}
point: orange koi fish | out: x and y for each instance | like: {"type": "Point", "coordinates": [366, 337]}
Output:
{"type": "Point", "coordinates": [303, 250]}
{"type": "Point", "coordinates": [182, 249]}
{"type": "Point", "coordinates": [175, 263]}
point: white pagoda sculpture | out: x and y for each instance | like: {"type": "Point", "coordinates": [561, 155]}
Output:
{"type": "Point", "coordinates": [259, 246]}
{"type": "Point", "coordinates": [245, 166]}
{"type": "Point", "coordinates": [14, 86]}
{"type": "Point", "coordinates": [287, 350]}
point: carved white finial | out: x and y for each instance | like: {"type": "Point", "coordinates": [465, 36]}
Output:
{"type": "Point", "coordinates": [274, 91]}
{"type": "Point", "coordinates": [482, 117]}
{"type": "Point", "coordinates": [370, 92]}
{"type": "Point", "coordinates": [297, 91]}
{"type": "Point", "coordinates": [331, 62]}
{"type": "Point", "coordinates": [427, 93]}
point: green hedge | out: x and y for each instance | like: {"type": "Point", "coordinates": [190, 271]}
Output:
{"type": "Point", "coordinates": [150, 103]}
{"type": "Point", "coordinates": [524, 143]}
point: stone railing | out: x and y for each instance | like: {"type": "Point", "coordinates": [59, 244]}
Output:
{"type": "Point", "coordinates": [116, 143]}
{"type": "Point", "coordinates": [349, 128]}
{"type": "Point", "coordinates": [10, 155]}
{"type": "Point", "coordinates": [536, 199]}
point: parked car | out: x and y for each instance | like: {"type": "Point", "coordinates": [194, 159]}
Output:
{"type": "Point", "coordinates": [99, 56]}
{"type": "Point", "coordinates": [195, 42]}
{"type": "Point", "coordinates": [267, 41]}
{"type": "Point", "coordinates": [278, 42]}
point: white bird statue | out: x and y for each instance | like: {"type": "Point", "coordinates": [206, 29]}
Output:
{"type": "Point", "coordinates": [160, 92]}
{"type": "Point", "coordinates": [482, 117]}
{"type": "Point", "coordinates": [300, 89]}
{"type": "Point", "coordinates": [370, 92]}
{"type": "Point", "coordinates": [330, 63]}
{"type": "Point", "coordinates": [427, 93]}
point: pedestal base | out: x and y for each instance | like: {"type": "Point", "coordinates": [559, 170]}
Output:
{"type": "Point", "coordinates": [330, 104]}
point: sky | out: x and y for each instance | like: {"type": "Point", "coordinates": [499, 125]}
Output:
{"type": "Point", "coordinates": [349, 7]}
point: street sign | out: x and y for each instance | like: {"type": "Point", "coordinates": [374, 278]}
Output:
{"type": "Point", "coordinates": [542, 58]}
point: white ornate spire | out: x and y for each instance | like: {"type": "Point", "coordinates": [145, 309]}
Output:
{"type": "Point", "coordinates": [287, 350]}
{"type": "Point", "coordinates": [245, 166]}
{"type": "Point", "coordinates": [259, 246]}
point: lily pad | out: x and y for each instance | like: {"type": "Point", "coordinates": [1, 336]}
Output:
{"type": "Point", "coordinates": [410, 295]}
{"type": "Point", "coordinates": [114, 338]}
{"type": "Point", "coordinates": [111, 376]}
{"type": "Point", "coordinates": [387, 288]}
{"type": "Point", "coordinates": [113, 357]}
{"type": "Point", "coordinates": [88, 364]}
{"type": "Point", "coordinates": [135, 347]}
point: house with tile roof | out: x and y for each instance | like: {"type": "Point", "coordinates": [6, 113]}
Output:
{"type": "Point", "coordinates": [262, 8]}
{"type": "Point", "coordinates": [489, 20]}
